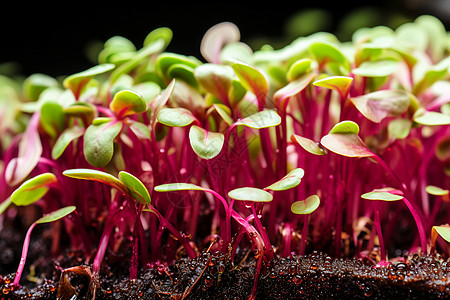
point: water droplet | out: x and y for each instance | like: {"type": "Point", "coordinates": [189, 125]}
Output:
{"type": "Point", "coordinates": [297, 279]}
{"type": "Point", "coordinates": [368, 292]}
{"type": "Point", "coordinates": [208, 281]}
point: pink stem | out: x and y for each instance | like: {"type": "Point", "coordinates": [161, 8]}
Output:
{"type": "Point", "coordinates": [23, 256]}
{"type": "Point", "coordinates": [380, 234]}
{"type": "Point", "coordinates": [304, 235]}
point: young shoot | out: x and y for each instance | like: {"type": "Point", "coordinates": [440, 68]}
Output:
{"type": "Point", "coordinates": [48, 218]}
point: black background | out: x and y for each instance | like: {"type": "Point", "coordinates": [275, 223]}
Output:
{"type": "Point", "coordinates": [53, 39]}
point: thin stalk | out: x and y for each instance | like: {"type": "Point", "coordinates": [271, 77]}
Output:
{"type": "Point", "coordinates": [287, 239]}
{"type": "Point", "coordinates": [411, 207]}
{"type": "Point", "coordinates": [166, 224]}
{"type": "Point", "coordinates": [380, 234]}
{"type": "Point", "coordinates": [267, 245]}
{"type": "Point", "coordinates": [304, 235]}
{"type": "Point", "coordinates": [420, 227]}
{"type": "Point", "coordinates": [266, 148]}
{"type": "Point", "coordinates": [107, 230]}
{"type": "Point", "coordinates": [23, 256]}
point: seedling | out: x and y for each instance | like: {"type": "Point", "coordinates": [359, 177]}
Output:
{"type": "Point", "coordinates": [305, 207]}
{"type": "Point", "coordinates": [48, 218]}
{"type": "Point", "coordinates": [386, 194]}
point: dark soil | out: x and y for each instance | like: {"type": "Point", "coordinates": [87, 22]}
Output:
{"type": "Point", "coordinates": [314, 276]}
{"type": "Point", "coordinates": [213, 276]}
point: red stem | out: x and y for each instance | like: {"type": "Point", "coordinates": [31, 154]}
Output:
{"type": "Point", "coordinates": [304, 235]}
{"type": "Point", "coordinates": [23, 256]}
{"type": "Point", "coordinates": [380, 234]}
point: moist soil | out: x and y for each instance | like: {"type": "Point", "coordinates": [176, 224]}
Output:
{"type": "Point", "coordinates": [213, 276]}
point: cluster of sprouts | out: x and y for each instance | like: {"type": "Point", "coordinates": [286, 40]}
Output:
{"type": "Point", "coordinates": [319, 145]}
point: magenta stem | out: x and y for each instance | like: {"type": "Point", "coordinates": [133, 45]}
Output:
{"type": "Point", "coordinates": [380, 234]}
{"type": "Point", "coordinates": [420, 227]}
{"type": "Point", "coordinates": [412, 209]}
{"type": "Point", "coordinates": [165, 223]}
{"type": "Point", "coordinates": [267, 245]}
{"type": "Point", "coordinates": [302, 249]}
{"type": "Point", "coordinates": [23, 256]}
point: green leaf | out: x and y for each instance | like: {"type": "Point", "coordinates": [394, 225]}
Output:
{"type": "Point", "coordinates": [381, 195]}
{"type": "Point", "coordinates": [216, 38]}
{"type": "Point", "coordinates": [139, 129]}
{"type": "Point", "coordinates": [183, 72]}
{"type": "Point", "coordinates": [340, 84]}
{"type": "Point", "coordinates": [78, 81]}
{"type": "Point", "coordinates": [98, 142]}
{"type": "Point", "coordinates": [345, 127]}
{"type": "Point", "coordinates": [135, 187]}
{"type": "Point", "coordinates": [250, 194]}
{"type": "Point", "coordinates": [82, 110]}
{"type": "Point", "coordinates": [5, 204]}
{"type": "Point", "coordinates": [237, 92]}
{"type": "Point", "coordinates": [293, 88]}
{"type": "Point", "coordinates": [437, 35]}
{"type": "Point", "coordinates": [308, 144]}
{"type": "Point", "coordinates": [35, 84]}
{"type": "Point", "coordinates": [299, 68]}
{"type": "Point", "coordinates": [162, 33]}
{"type": "Point", "coordinates": [117, 49]}
{"type": "Point", "coordinates": [99, 176]}
{"type": "Point", "coordinates": [432, 75]}
{"type": "Point", "coordinates": [377, 68]}
{"type": "Point", "coordinates": [307, 206]}
{"type": "Point", "coordinates": [140, 56]}
{"type": "Point", "coordinates": [437, 191]}
{"type": "Point", "coordinates": [262, 119]}
{"type": "Point", "coordinates": [148, 90]}
{"type": "Point", "coordinates": [236, 51]}
{"type": "Point", "coordinates": [56, 215]}
{"type": "Point", "coordinates": [252, 79]}
{"type": "Point", "coordinates": [443, 231]}
{"type": "Point", "coordinates": [175, 117]}
{"type": "Point", "coordinates": [224, 112]}
{"type": "Point", "coordinates": [179, 186]}
{"type": "Point", "coordinates": [53, 118]}
{"type": "Point", "coordinates": [66, 137]}
{"type": "Point", "coordinates": [346, 144]}
{"type": "Point", "coordinates": [127, 103]}
{"type": "Point", "coordinates": [326, 52]}
{"type": "Point", "coordinates": [33, 189]}
{"type": "Point", "coordinates": [205, 144]}
{"type": "Point", "coordinates": [431, 118]}
{"type": "Point", "coordinates": [292, 179]}
{"type": "Point", "coordinates": [166, 60]}
{"type": "Point", "coordinates": [399, 128]}
{"type": "Point", "coordinates": [379, 105]}
{"type": "Point", "coordinates": [215, 79]}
